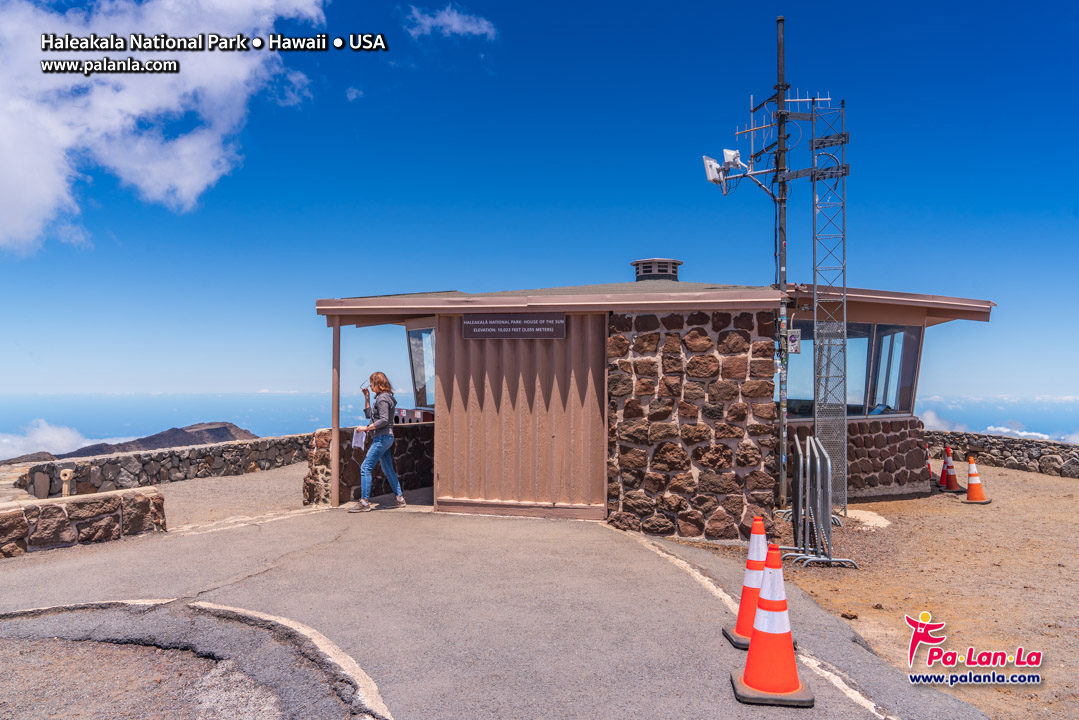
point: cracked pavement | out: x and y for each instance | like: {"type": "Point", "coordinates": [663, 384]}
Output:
{"type": "Point", "coordinates": [457, 616]}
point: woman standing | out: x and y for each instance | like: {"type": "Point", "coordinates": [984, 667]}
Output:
{"type": "Point", "coordinates": [381, 416]}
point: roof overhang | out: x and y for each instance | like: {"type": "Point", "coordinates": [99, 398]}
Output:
{"type": "Point", "coordinates": [399, 309]}
{"type": "Point", "coordinates": [863, 305]}
{"type": "Point", "coordinates": [903, 308]}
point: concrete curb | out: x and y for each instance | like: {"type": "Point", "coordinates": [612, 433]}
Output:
{"type": "Point", "coordinates": [365, 700]}
{"type": "Point", "coordinates": [102, 605]}
{"type": "Point", "coordinates": [322, 651]}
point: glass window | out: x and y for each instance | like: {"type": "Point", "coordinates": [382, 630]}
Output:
{"type": "Point", "coordinates": [894, 395]}
{"type": "Point", "coordinates": [421, 353]}
{"type": "Point", "coordinates": [857, 366]}
{"type": "Point", "coordinates": [895, 353]}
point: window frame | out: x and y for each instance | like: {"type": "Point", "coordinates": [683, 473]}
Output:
{"type": "Point", "coordinates": [870, 371]}
{"type": "Point", "coordinates": [429, 392]}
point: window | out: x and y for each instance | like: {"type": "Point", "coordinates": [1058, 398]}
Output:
{"type": "Point", "coordinates": [421, 354]}
{"type": "Point", "coordinates": [882, 359]}
{"type": "Point", "coordinates": [895, 355]}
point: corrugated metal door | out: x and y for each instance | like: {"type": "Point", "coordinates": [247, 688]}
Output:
{"type": "Point", "coordinates": [520, 426]}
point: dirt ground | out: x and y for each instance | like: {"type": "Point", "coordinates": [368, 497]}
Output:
{"type": "Point", "coordinates": [1001, 575]}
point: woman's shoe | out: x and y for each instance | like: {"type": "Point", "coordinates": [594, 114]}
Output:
{"type": "Point", "coordinates": [399, 501]}
{"type": "Point", "coordinates": [362, 506]}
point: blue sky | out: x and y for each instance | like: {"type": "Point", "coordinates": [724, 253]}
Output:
{"type": "Point", "coordinates": [173, 235]}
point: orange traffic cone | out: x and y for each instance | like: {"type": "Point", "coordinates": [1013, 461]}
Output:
{"type": "Point", "coordinates": [751, 587]}
{"type": "Point", "coordinates": [953, 479]}
{"type": "Point", "coordinates": [944, 468]}
{"type": "Point", "coordinates": [975, 494]}
{"type": "Point", "coordinates": [770, 676]}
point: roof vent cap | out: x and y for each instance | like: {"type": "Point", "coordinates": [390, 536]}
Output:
{"type": "Point", "coordinates": [657, 269]}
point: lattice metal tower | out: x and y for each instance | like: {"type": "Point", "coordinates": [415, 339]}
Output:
{"type": "Point", "coordinates": [827, 173]}
{"type": "Point", "coordinates": [828, 145]}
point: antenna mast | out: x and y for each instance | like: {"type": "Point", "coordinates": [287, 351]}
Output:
{"type": "Point", "coordinates": [828, 171]}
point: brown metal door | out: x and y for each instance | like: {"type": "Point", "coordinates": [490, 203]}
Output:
{"type": "Point", "coordinates": [520, 426]}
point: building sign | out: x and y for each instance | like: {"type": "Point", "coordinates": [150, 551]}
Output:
{"type": "Point", "coordinates": [514, 326]}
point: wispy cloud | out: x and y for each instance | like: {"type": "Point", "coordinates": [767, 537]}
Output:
{"type": "Point", "coordinates": [353, 94]}
{"type": "Point", "coordinates": [448, 21]}
{"type": "Point", "coordinates": [42, 437]}
{"type": "Point", "coordinates": [1000, 430]}
{"type": "Point", "coordinates": [933, 421]}
{"type": "Point", "coordinates": [168, 136]}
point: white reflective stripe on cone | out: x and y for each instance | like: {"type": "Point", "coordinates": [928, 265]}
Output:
{"type": "Point", "coordinates": [758, 548]}
{"type": "Point", "coordinates": [772, 586]}
{"type": "Point", "coordinates": [753, 578]}
{"type": "Point", "coordinates": [773, 622]}
{"type": "Point", "coordinates": [974, 480]}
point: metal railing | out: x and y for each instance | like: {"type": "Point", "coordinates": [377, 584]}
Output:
{"type": "Point", "coordinates": [811, 511]}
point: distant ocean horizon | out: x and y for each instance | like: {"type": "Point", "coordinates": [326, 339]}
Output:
{"type": "Point", "coordinates": [61, 423]}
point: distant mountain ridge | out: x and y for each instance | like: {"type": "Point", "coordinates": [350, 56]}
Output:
{"type": "Point", "coordinates": [197, 434]}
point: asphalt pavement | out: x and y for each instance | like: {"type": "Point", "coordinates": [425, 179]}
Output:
{"type": "Point", "coordinates": [459, 616]}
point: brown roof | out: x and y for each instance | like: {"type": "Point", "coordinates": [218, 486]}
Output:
{"type": "Point", "coordinates": [641, 296]}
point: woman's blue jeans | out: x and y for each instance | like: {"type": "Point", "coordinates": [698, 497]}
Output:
{"type": "Point", "coordinates": [379, 451]}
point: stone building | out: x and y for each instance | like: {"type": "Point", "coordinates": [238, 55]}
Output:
{"type": "Point", "coordinates": [650, 404]}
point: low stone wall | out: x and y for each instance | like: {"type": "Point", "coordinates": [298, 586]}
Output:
{"type": "Point", "coordinates": [413, 459]}
{"type": "Point", "coordinates": [29, 525]}
{"type": "Point", "coordinates": [128, 470]}
{"type": "Point", "coordinates": [1041, 456]}
{"type": "Point", "coordinates": [884, 457]}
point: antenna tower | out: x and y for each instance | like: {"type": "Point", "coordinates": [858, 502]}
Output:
{"type": "Point", "coordinates": [770, 121]}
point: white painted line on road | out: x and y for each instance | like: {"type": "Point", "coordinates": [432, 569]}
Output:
{"type": "Point", "coordinates": [365, 686]}
{"type": "Point", "coordinates": [678, 562]}
{"type": "Point", "coordinates": [853, 695]}
{"type": "Point", "coordinates": [242, 521]}
{"type": "Point", "coordinates": [808, 660]}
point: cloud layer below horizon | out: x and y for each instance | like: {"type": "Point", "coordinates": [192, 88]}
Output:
{"type": "Point", "coordinates": [43, 437]}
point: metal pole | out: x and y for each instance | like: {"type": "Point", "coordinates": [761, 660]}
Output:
{"type": "Point", "coordinates": [335, 414]}
{"type": "Point", "coordinates": [781, 156]}
{"type": "Point", "coordinates": [781, 242]}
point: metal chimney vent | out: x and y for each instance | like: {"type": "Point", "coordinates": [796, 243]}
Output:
{"type": "Point", "coordinates": [657, 269]}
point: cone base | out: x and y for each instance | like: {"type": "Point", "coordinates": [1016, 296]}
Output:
{"type": "Point", "coordinates": [802, 697]}
{"type": "Point", "coordinates": [957, 491]}
{"type": "Point", "coordinates": [739, 641]}
{"type": "Point", "coordinates": [977, 502]}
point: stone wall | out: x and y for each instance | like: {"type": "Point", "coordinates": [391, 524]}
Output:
{"type": "Point", "coordinates": [413, 459]}
{"type": "Point", "coordinates": [29, 525]}
{"type": "Point", "coordinates": [691, 428]}
{"type": "Point", "coordinates": [1044, 456]}
{"type": "Point", "coordinates": [884, 456]}
{"type": "Point", "coordinates": [150, 467]}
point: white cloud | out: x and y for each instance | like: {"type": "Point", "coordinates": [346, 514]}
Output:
{"type": "Point", "coordinates": [999, 430]}
{"type": "Point", "coordinates": [353, 94]}
{"type": "Point", "coordinates": [1073, 438]}
{"type": "Point", "coordinates": [57, 127]}
{"type": "Point", "coordinates": [41, 436]}
{"type": "Point", "coordinates": [449, 21]}
{"type": "Point", "coordinates": [933, 421]}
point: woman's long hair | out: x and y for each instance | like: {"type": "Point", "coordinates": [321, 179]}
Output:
{"type": "Point", "coordinates": [380, 383]}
